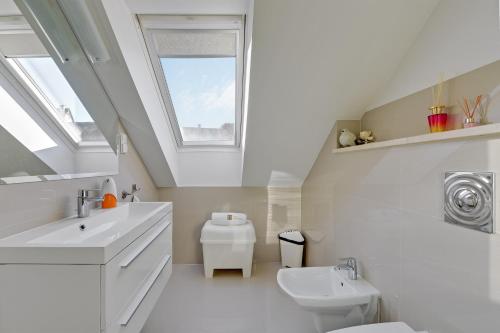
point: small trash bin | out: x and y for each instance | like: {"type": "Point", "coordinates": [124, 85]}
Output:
{"type": "Point", "coordinates": [292, 247]}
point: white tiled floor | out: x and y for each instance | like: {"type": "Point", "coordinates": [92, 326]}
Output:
{"type": "Point", "coordinates": [226, 304]}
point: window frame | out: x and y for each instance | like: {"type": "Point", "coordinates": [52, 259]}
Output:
{"type": "Point", "coordinates": [38, 95]}
{"type": "Point", "coordinates": [17, 26]}
{"type": "Point", "coordinates": [30, 85]}
{"type": "Point", "coordinates": [151, 23]}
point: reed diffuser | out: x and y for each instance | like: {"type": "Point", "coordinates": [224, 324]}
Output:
{"type": "Point", "coordinates": [469, 109]}
{"type": "Point", "coordinates": [438, 119]}
{"type": "Point", "coordinates": [483, 112]}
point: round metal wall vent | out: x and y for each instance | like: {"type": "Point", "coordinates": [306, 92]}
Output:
{"type": "Point", "coordinates": [469, 200]}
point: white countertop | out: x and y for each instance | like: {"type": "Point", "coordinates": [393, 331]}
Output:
{"type": "Point", "coordinates": [105, 233]}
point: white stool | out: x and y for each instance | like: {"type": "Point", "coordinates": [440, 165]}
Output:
{"type": "Point", "coordinates": [228, 246]}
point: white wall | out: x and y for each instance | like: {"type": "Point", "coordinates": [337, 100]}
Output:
{"type": "Point", "coordinates": [460, 36]}
{"type": "Point", "coordinates": [88, 161]}
{"type": "Point", "coordinates": [209, 168]}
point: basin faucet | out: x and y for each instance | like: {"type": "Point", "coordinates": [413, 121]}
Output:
{"type": "Point", "coordinates": [135, 188]}
{"type": "Point", "coordinates": [83, 201]}
{"type": "Point", "coordinates": [351, 265]}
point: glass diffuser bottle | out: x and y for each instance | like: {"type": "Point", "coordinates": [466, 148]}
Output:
{"type": "Point", "coordinates": [469, 107]}
{"type": "Point", "coordinates": [439, 118]}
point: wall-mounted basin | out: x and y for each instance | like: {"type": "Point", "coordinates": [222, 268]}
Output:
{"type": "Point", "coordinates": [90, 240]}
{"type": "Point", "coordinates": [334, 300]}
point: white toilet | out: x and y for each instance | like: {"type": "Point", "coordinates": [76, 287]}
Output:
{"type": "Point", "coordinates": [396, 327]}
{"type": "Point", "coordinates": [228, 240]}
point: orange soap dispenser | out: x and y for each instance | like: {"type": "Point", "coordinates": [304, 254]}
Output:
{"type": "Point", "coordinates": [109, 194]}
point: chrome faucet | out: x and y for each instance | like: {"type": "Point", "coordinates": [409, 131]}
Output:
{"type": "Point", "coordinates": [135, 188]}
{"type": "Point", "coordinates": [351, 265]}
{"type": "Point", "coordinates": [83, 201]}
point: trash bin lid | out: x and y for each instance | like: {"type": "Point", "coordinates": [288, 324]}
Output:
{"type": "Point", "coordinates": [292, 236]}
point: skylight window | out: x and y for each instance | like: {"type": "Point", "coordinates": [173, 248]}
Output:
{"type": "Point", "coordinates": [203, 96]}
{"type": "Point", "coordinates": [198, 65]}
{"type": "Point", "coordinates": [48, 84]}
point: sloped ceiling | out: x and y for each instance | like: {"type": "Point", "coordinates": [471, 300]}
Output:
{"type": "Point", "coordinates": [313, 62]}
{"type": "Point", "coordinates": [447, 30]}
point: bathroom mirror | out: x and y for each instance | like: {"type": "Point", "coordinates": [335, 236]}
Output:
{"type": "Point", "coordinates": [46, 132]}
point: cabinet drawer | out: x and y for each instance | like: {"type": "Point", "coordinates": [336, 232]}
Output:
{"type": "Point", "coordinates": [126, 274]}
{"type": "Point", "coordinates": [134, 316]}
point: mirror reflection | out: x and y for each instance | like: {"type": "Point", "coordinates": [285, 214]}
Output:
{"type": "Point", "coordinates": [45, 129]}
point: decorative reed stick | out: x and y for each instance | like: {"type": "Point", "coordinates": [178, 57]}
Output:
{"type": "Point", "coordinates": [437, 92]}
{"type": "Point", "coordinates": [469, 107]}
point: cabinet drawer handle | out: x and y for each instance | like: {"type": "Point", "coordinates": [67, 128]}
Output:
{"type": "Point", "coordinates": [131, 310]}
{"type": "Point", "coordinates": [132, 256]}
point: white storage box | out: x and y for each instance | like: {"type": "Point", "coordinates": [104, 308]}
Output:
{"type": "Point", "coordinates": [292, 247]}
{"type": "Point", "coordinates": [227, 246]}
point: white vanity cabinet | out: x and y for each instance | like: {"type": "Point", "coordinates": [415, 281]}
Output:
{"type": "Point", "coordinates": [116, 295]}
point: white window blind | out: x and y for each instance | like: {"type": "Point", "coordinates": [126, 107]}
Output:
{"type": "Point", "coordinates": [187, 43]}
{"type": "Point", "coordinates": [21, 44]}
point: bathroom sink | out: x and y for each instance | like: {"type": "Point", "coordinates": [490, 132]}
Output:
{"type": "Point", "coordinates": [91, 240]}
{"type": "Point", "coordinates": [324, 287]}
{"type": "Point", "coordinates": [102, 273]}
{"type": "Point", "coordinates": [335, 301]}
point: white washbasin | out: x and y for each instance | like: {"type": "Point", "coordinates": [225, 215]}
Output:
{"type": "Point", "coordinates": [91, 240]}
{"type": "Point", "coordinates": [335, 301]}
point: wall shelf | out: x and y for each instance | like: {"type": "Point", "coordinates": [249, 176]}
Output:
{"type": "Point", "coordinates": [485, 130]}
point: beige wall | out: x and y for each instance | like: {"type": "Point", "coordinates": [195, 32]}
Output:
{"type": "Point", "coordinates": [270, 209]}
{"type": "Point", "coordinates": [385, 207]}
{"type": "Point", "coordinates": [25, 206]}
{"type": "Point", "coordinates": [408, 116]}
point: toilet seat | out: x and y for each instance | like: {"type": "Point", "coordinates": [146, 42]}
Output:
{"type": "Point", "coordinates": [396, 327]}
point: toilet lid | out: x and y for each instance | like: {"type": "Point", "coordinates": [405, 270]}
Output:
{"type": "Point", "coordinates": [397, 327]}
